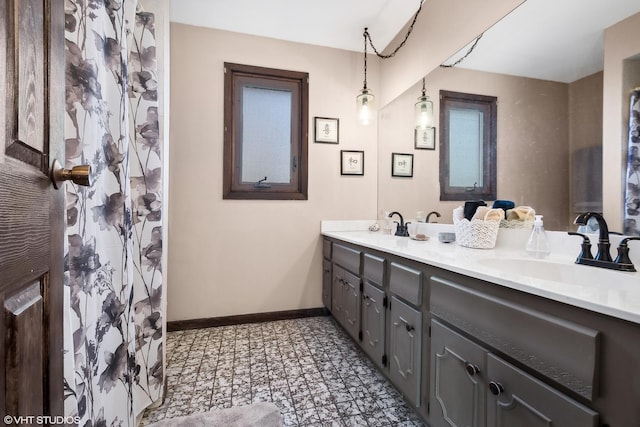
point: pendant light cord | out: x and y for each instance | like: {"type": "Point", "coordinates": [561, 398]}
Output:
{"type": "Point", "coordinates": [473, 46]}
{"type": "Point", "coordinates": [365, 60]}
{"type": "Point", "coordinates": [367, 36]}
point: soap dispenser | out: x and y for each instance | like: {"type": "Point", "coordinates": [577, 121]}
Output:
{"type": "Point", "coordinates": [538, 244]}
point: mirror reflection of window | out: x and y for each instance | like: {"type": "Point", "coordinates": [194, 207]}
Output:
{"type": "Point", "coordinates": [468, 137]}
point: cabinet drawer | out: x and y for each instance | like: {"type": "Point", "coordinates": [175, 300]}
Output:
{"type": "Point", "coordinates": [406, 283]}
{"type": "Point", "coordinates": [561, 350]}
{"type": "Point", "coordinates": [374, 269]}
{"type": "Point", "coordinates": [516, 396]}
{"type": "Point", "coordinates": [326, 249]}
{"type": "Point", "coordinates": [346, 257]}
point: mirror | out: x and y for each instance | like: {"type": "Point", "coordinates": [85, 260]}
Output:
{"type": "Point", "coordinates": [549, 137]}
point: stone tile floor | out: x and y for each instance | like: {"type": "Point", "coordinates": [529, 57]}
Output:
{"type": "Point", "coordinates": [308, 367]}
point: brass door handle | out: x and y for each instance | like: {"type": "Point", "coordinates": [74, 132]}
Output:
{"type": "Point", "coordinates": [80, 175]}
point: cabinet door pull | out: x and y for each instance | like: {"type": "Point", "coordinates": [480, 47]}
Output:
{"type": "Point", "coordinates": [472, 369]}
{"type": "Point", "coordinates": [409, 327]}
{"type": "Point", "coordinates": [496, 388]}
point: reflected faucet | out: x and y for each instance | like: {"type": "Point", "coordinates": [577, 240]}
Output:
{"type": "Point", "coordinates": [401, 229]}
{"type": "Point", "coordinates": [603, 240]}
{"type": "Point", "coordinates": [437, 214]}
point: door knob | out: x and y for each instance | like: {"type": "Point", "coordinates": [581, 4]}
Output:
{"type": "Point", "coordinates": [80, 175]}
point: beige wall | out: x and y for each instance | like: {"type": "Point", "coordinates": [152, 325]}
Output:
{"type": "Point", "coordinates": [622, 41]}
{"type": "Point", "coordinates": [532, 145]}
{"type": "Point", "coordinates": [231, 257]}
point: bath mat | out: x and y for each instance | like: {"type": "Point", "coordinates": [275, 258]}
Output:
{"type": "Point", "coordinates": [261, 414]}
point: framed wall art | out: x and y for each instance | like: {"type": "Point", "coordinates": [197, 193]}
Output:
{"type": "Point", "coordinates": [327, 130]}
{"type": "Point", "coordinates": [425, 139]}
{"type": "Point", "coordinates": [351, 162]}
{"type": "Point", "coordinates": [402, 165]}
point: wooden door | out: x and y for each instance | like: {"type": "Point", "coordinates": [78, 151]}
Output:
{"type": "Point", "coordinates": [31, 210]}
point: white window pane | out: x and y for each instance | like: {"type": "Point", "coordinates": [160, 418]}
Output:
{"type": "Point", "coordinates": [465, 148]}
{"type": "Point", "coordinates": [266, 135]}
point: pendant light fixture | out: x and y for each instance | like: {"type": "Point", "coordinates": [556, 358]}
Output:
{"type": "Point", "coordinates": [365, 100]}
{"type": "Point", "coordinates": [424, 110]}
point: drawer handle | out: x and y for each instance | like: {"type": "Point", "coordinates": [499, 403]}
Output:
{"type": "Point", "coordinates": [495, 388]}
{"type": "Point", "coordinates": [472, 369]}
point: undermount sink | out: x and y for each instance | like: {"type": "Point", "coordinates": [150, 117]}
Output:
{"type": "Point", "coordinates": [561, 272]}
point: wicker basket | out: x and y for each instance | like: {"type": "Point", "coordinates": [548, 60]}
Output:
{"type": "Point", "coordinates": [477, 234]}
{"type": "Point", "coordinates": [527, 223]}
{"type": "Point", "coordinates": [516, 224]}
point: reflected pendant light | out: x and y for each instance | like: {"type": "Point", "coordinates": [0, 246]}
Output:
{"type": "Point", "coordinates": [424, 110]}
{"type": "Point", "coordinates": [365, 100]}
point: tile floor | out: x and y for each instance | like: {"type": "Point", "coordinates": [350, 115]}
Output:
{"type": "Point", "coordinates": [308, 367]}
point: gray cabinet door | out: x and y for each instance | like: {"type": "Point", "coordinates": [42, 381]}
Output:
{"type": "Point", "coordinates": [373, 322]}
{"type": "Point", "coordinates": [326, 283]}
{"type": "Point", "coordinates": [345, 300]}
{"type": "Point", "coordinates": [337, 294]}
{"type": "Point", "coordinates": [518, 399]}
{"type": "Point", "coordinates": [458, 387]}
{"type": "Point", "coordinates": [352, 305]}
{"type": "Point", "coordinates": [405, 352]}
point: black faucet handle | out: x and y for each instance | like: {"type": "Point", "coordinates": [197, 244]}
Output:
{"type": "Point", "coordinates": [624, 241]}
{"type": "Point", "coordinates": [586, 245]}
{"type": "Point", "coordinates": [623, 254]}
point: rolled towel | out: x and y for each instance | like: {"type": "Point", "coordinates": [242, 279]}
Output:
{"type": "Point", "coordinates": [494, 215]}
{"type": "Point", "coordinates": [458, 214]}
{"type": "Point", "coordinates": [521, 213]}
{"type": "Point", "coordinates": [481, 212]}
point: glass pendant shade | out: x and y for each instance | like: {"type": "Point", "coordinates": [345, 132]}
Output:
{"type": "Point", "coordinates": [424, 112]}
{"type": "Point", "coordinates": [365, 106]}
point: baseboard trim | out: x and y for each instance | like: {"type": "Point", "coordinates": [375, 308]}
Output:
{"type": "Point", "coordinates": [210, 322]}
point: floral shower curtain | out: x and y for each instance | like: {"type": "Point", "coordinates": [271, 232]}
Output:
{"type": "Point", "coordinates": [632, 199]}
{"type": "Point", "coordinates": [113, 271]}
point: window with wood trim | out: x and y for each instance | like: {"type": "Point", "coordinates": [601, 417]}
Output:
{"type": "Point", "coordinates": [468, 135]}
{"type": "Point", "coordinates": [265, 133]}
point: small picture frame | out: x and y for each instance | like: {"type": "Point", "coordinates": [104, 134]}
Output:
{"type": "Point", "coordinates": [351, 162]}
{"type": "Point", "coordinates": [402, 165]}
{"type": "Point", "coordinates": [327, 130]}
{"type": "Point", "coordinates": [425, 139]}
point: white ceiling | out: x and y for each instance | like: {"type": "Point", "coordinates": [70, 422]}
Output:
{"type": "Point", "coordinates": [558, 40]}
{"type": "Point", "coordinates": [537, 40]}
{"type": "Point", "coordinates": [332, 23]}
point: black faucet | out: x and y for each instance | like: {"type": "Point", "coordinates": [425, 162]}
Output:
{"type": "Point", "coordinates": [401, 229]}
{"type": "Point", "coordinates": [437, 214]}
{"type": "Point", "coordinates": [603, 257]}
{"type": "Point", "coordinates": [603, 241]}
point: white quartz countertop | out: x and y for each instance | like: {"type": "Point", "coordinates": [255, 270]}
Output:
{"type": "Point", "coordinates": [557, 277]}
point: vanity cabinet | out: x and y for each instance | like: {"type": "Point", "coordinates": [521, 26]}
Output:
{"type": "Point", "coordinates": [469, 352]}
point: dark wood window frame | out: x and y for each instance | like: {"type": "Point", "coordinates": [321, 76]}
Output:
{"type": "Point", "coordinates": [488, 105]}
{"type": "Point", "coordinates": [298, 82]}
